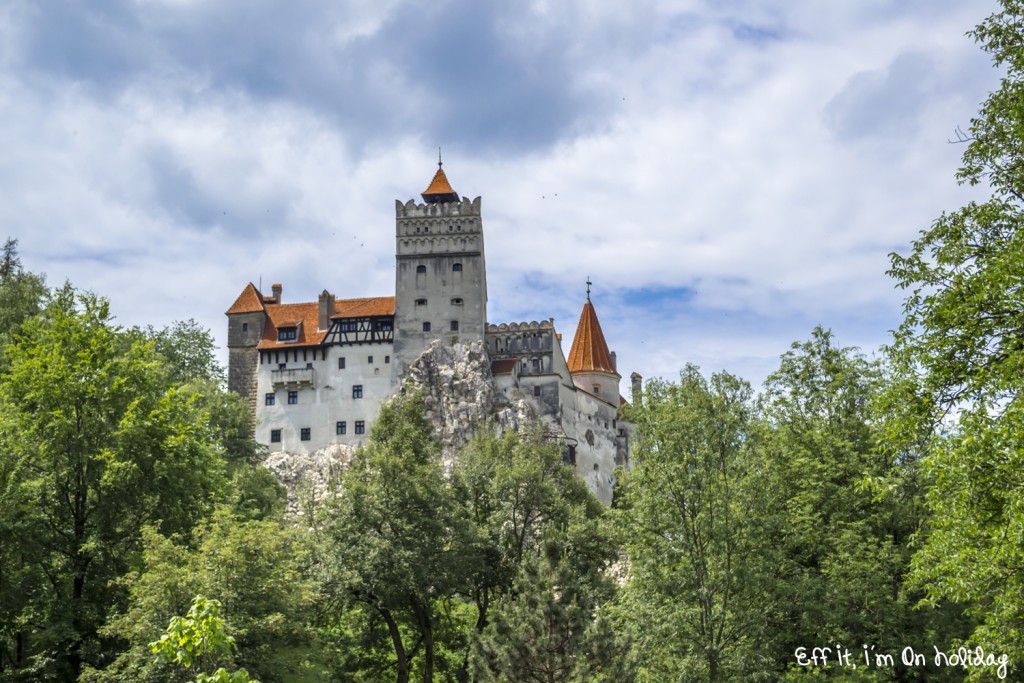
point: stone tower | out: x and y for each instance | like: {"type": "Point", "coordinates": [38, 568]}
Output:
{"type": "Point", "coordinates": [440, 278]}
{"type": "Point", "coordinates": [246, 320]}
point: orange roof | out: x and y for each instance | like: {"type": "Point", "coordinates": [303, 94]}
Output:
{"type": "Point", "coordinates": [307, 316]}
{"type": "Point", "coordinates": [589, 350]}
{"type": "Point", "coordinates": [249, 301]}
{"type": "Point", "coordinates": [440, 189]}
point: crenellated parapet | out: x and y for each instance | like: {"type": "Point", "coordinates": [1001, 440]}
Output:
{"type": "Point", "coordinates": [532, 326]}
{"type": "Point", "coordinates": [411, 209]}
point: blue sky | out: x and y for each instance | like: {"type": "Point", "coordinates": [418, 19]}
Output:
{"type": "Point", "coordinates": [729, 174]}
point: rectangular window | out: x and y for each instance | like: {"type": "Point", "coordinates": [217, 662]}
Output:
{"type": "Point", "coordinates": [309, 366]}
{"type": "Point", "coordinates": [387, 359]}
{"type": "Point", "coordinates": [293, 397]}
{"type": "Point", "coordinates": [369, 359]}
{"type": "Point", "coordinates": [341, 363]}
{"type": "Point", "coordinates": [282, 366]}
{"type": "Point", "coordinates": [304, 433]}
{"type": "Point", "coordinates": [455, 326]}
{"type": "Point", "coordinates": [360, 427]}
{"type": "Point", "coordinates": [268, 400]}
{"type": "Point", "coordinates": [287, 334]}
{"type": "Point", "coordinates": [275, 436]}
{"type": "Point", "coordinates": [570, 456]}
{"type": "Point", "coordinates": [536, 390]}
{"type": "Point", "coordinates": [426, 327]}
{"type": "Point", "coordinates": [245, 327]}
{"type": "Point", "coordinates": [357, 391]}
{"type": "Point", "coordinates": [340, 427]}
{"type": "Point", "coordinates": [349, 327]}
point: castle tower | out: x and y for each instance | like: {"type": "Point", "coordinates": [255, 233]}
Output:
{"type": "Point", "coordinates": [246, 320]}
{"type": "Point", "coordinates": [590, 363]}
{"type": "Point", "coordinates": [440, 277]}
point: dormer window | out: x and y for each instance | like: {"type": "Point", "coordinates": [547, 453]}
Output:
{"type": "Point", "coordinates": [456, 267]}
{"type": "Point", "coordinates": [285, 334]}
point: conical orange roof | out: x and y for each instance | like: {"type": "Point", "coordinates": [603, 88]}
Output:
{"type": "Point", "coordinates": [440, 190]}
{"type": "Point", "coordinates": [589, 351]}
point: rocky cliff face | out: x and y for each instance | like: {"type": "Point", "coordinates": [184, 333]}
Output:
{"type": "Point", "coordinates": [459, 396]}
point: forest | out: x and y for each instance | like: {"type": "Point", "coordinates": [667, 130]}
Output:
{"type": "Point", "coordinates": [860, 517]}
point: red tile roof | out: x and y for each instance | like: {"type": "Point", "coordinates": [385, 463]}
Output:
{"type": "Point", "coordinates": [308, 314]}
{"type": "Point", "coordinates": [589, 350]}
{"type": "Point", "coordinates": [249, 301]}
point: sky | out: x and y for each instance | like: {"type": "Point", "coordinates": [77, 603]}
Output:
{"type": "Point", "coordinates": [728, 174]}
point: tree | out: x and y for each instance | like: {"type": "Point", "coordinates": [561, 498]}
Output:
{"type": "Point", "coordinates": [189, 350]}
{"type": "Point", "coordinates": [199, 641]}
{"type": "Point", "coordinates": [96, 447]}
{"type": "Point", "coordinates": [550, 630]}
{"type": "Point", "coordinates": [22, 294]}
{"type": "Point", "coordinates": [697, 597]}
{"type": "Point", "coordinates": [959, 355]}
{"type": "Point", "coordinates": [394, 542]}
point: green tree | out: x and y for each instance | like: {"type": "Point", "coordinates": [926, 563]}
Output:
{"type": "Point", "coordinates": [843, 554]}
{"type": "Point", "coordinates": [394, 542]}
{"type": "Point", "coordinates": [98, 446]}
{"type": "Point", "coordinates": [199, 641]}
{"type": "Point", "coordinates": [22, 294]}
{"type": "Point", "coordinates": [258, 570]}
{"type": "Point", "coordinates": [959, 355]}
{"type": "Point", "coordinates": [697, 599]}
{"type": "Point", "coordinates": [189, 350]}
{"type": "Point", "coordinates": [550, 629]}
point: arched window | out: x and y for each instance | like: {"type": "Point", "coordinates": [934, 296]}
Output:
{"type": "Point", "coordinates": [421, 269]}
{"type": "Point", "coordinates": [456, 267]}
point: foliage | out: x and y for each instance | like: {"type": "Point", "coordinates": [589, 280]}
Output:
{"type": "Point", "coordinates": [22, 295]}
{"type": "Point", "coordinates": [198, 642]}
{"type": "Point", "coordinates": [393, 540]}
{"type": "Point", "coordinates": [189, 350]}
{"type": "Point", "coordinates": [700, 591]}
{"type": "Point", "coordinates": [96, 446]}
{"type": "Point", "coordinates": [550, 629]}
{"type": "Point", "coordinates": [256, 569]}
{"type": "Point", "coordinates": [959, 355]}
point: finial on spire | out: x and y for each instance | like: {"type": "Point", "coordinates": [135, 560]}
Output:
{"type": "Point", "coordinates": [588, 287]}
{"type": "Point", "coordinates": [439, 157]}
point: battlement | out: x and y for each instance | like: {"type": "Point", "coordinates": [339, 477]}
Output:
{"type": "Point", "coordinates": [532, 326]}
{"type": "Point", "coordinates": [411, 209]}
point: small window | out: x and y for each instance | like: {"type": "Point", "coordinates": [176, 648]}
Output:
{"type": "Point", "coordinates": [357, 391]}
{"type": "Point", "coordinates": [349, 327]}
{"type": "Point", "coordinates": [341, 363]}
{"type": "Point", "coordinates": [536, 364]}
{"type": "Point", "coordinates": [421, 269]}
{"type": "Point", "coordinates": [304, 433]}
{"type": "Point", "coordinates": [293, 397]}
{"type": "Point", "coordinates": [426, 327]}
{"type": "Point", "coordinates": [455, 326]}
{"type": "Point", "coordinates": [341, 427]}
{"type": "Point", "coordinates": [456, 301]}
{"type": "Point", "coordinates": [282, 366]}
{"type": "Point", "coordinates": [287, 334]}
{"type": "Point", "coordinates": [597, 389]}
{"type": "Point", "coordinates": [536, 390]}
{"type": "Point", "coordinates": [369, 359]}
{"type": "Point", "coordinates": [360, 427]}
{"type": "Point", "coordinates": [456, 267]}
{"type": "Point", "coordinates": [387, 359]}
{"type": "Point", "coordinates": [245, 327]}
{"type": "Point", "coordinates": [268, 400]}
{"type": "Point", "coordinates": [570, 456]}
{"type": "Point", "coordinates": [384, 326]}
{"type": "Point", "coordinates": [309, 366]}
{"type": "Point", "coordinates": [275, 436]}
{"type": "Point", "coordinates": [421, 302]}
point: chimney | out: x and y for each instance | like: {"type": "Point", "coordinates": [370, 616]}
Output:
{"type": "Point", "coordinates": [326, 310]}
{"type": "Point", "coordinates": [615, 365]}
{"type": "Point", "coordinates": [276, 289]}
{"type": "Point", "coordinates": [637, 387]}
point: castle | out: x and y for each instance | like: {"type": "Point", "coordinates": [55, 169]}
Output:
{"type": "Point", "coordinates": [316, 373]}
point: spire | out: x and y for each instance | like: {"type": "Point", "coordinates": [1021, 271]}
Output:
{"type": "Point", "coordinates": [439, 190]}
{"type": "Point", "coordinates": [589, 351]}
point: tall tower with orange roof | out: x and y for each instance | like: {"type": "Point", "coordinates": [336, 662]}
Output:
{"type": "Point", "coordinates": [440, 274]}
{"type": "Point", "coordinates": [591, 364]}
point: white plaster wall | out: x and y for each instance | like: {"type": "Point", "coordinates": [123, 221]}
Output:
{"type": "Point", "coordinates": [321, 407]}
